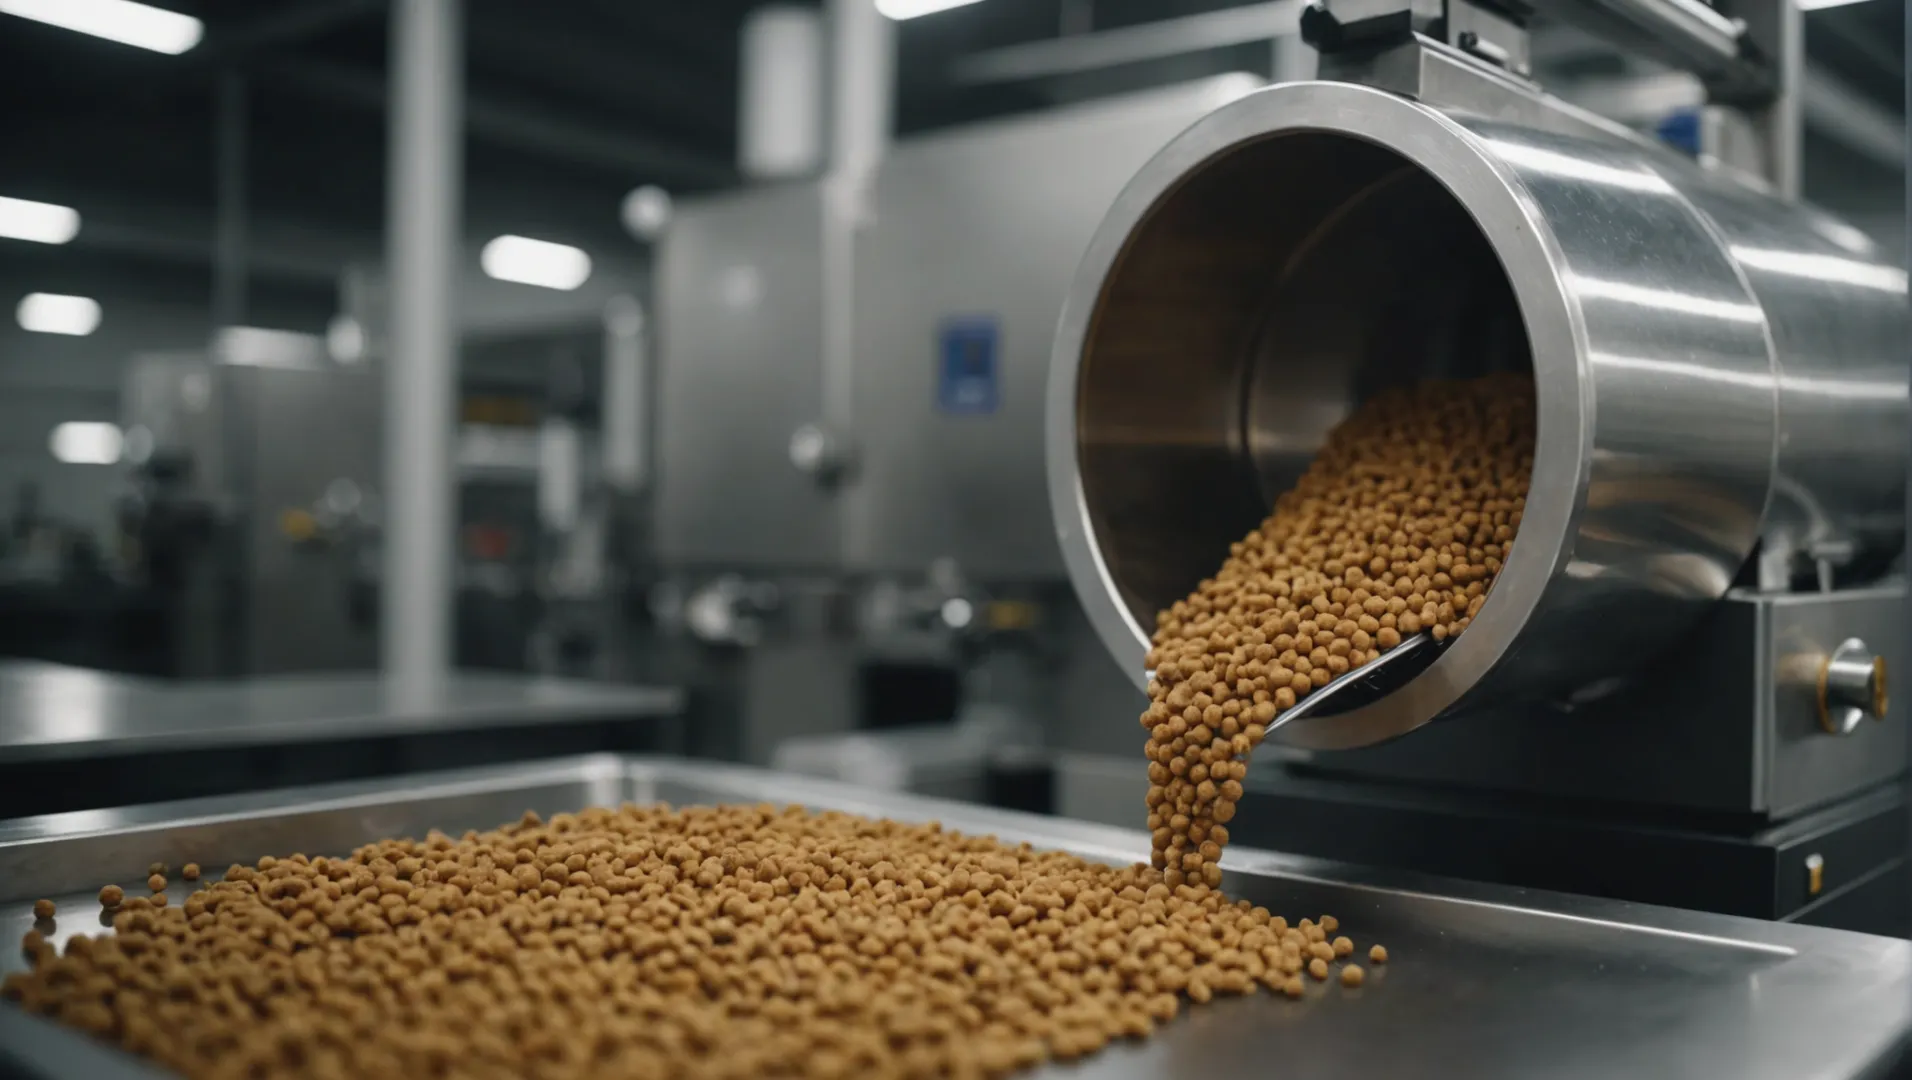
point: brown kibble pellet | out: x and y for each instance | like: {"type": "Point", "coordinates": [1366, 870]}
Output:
{"type": "Point", "coordinates": [43, 909]}
{"type": "Point", "coordinates": [156, 868]}
{"type": "Point", "coordinates": [1352, 975]}
{"type": "Point", "coordinates": [111, 896]}
{"type": "Point", "coordinates": [1377, 955]}
{"type": "Point", "coordinates": [1343, 947]}
{"type": "Point", "coordinates": [1293, 986]}
{"type": "Point", "coordinates": [1318, 968]}
{"type": "Point", "coordinates": [190, 871]}
{"type": "Point", "coordinates": [1383, 537]}
{"type": "Point", "coordinates": [157, 883]}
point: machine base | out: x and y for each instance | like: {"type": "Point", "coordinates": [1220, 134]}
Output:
{"type": "Point", "coordinates": [1736, 866]}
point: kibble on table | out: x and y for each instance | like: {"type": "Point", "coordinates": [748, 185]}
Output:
{"type": "Point", "coordinates": [704, 942]}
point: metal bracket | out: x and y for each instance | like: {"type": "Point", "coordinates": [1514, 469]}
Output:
{"type": "Point", "coordinates": [1750, 58]}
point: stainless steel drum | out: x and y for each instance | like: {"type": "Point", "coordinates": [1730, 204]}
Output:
{"type": "Point", "coordinates": [1715, 367]}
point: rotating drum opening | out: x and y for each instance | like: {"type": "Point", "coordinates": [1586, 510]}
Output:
{"type": "Point", "coordinates": [1281, 283]}
{"type": "Point", "coordinates": [1287, 282]}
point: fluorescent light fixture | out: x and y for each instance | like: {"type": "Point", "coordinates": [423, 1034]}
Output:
{"type": "Point", "coordinates": [1816, 5]}
{"type": "Point", "coordinates": [910, 9]}
{"type": "Point", "coordinates": [86, 442]}
{"type": "Point", "coordinates": [141, 25]}
{"type": "Point", "coordinates": [42, 223]}
{"type": "Point", "coordinates": [535, 262]}
{"type": "Point", "coordinates": [51, 313]}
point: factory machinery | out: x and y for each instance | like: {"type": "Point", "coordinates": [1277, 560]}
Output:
{"type": "Point", "coordinates": [1676, 692]}
{"type": "Point", "coordinates": [253, 518]}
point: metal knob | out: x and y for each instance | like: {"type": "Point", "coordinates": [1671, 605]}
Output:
{"type": "Point", "coordinates": [1852, 686]}
{"type": "Point", "coordinates": [821, 453]}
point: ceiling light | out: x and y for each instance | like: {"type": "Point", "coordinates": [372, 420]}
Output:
{"type": "Point", "coordinates": [535, 262]}
{"type": "Point", "coordinates": [1816, 5]}
{"type": "Point", "coordinates": [86, 442]}
{"type": "Point", "coordinates": [43, 223]}
{"type": "Point", "coordinates": [115, 20]}
{"type": "Point", "coordinates": [51, 313]}
{"type": "Point", "coordinates": [910, 9]}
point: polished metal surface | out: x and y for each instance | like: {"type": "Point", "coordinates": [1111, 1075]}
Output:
{"type": "Point", "coordinates": [1297, 249]}
{"type": "Point", "coordinates": [1852, 687]}
{"type": "Point", "coordinates": [1725, 721]}
{"type": "Point", "coordinates": [49, 712]}
{"type": "Point", "coordinates": [740, 343]}
{"type": "Point", "coordinates": [256, 437]}
{"type": "Point", "coordinates": [1512, 983]}
{"type": "Point", "coordinates": [771, 459]}
{"type": "Point", "coordinates": [291, 437]}
{"type": "Point", "coordinates": [983, 224]}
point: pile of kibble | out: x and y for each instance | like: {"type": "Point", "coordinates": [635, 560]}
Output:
{"type": "Point", "coordinates": [1398, 527]}
{"type": "Point", "coordinates": [649, 942]}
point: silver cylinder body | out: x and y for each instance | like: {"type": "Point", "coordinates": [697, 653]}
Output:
{"type": "Point", "coordinates": [1711, 364]}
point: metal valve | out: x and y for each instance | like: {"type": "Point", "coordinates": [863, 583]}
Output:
{"type": "Point", "coordinates": [1852, 686]}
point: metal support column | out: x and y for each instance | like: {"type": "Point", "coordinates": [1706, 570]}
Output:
{"type": "Point", "coordinates": [863, 47]}
{"type": "Point", "coordinates": [626, 397]}
{"type": "Point", "coordinates": [229, 230]}
{"type": "Point", "coordinates": [424, 195]}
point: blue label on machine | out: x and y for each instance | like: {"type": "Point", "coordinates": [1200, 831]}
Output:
{"type": "Point", "coordinates": [969, 382]}
{"type": "Point", "coordinates": [1681, 130]}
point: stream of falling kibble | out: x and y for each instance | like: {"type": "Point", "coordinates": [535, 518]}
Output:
{"type": "Point", "coordinates": [1398, 526]}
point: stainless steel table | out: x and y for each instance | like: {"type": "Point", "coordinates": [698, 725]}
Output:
{"type": "Point", "coordinates": [50, 712]}
{"type": "Point", "coordinates": [1483, 982]}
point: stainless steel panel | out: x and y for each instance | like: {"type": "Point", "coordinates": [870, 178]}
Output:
{"type": "Point", "coordinates": [740, 323]}
{"type": "Point", "coordinates": [290, 435]}
{"type": "Point", "coordinates": [1725, 720]}
{"type": "Point", "coordinates": [1512, 983]}
{"type": "Point", "coordinates": [1805, 765]}
{"type": "Point", "coordinates": [1300, 247]}
{"type": "Point", "coordinates": [169, 396]}
{"type": "Point", "coordinates": [983, 223]}
{"type": "Point", "coordinates": [1836, 310]}
{"type": "Point", "coordinates": [49, 712]}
